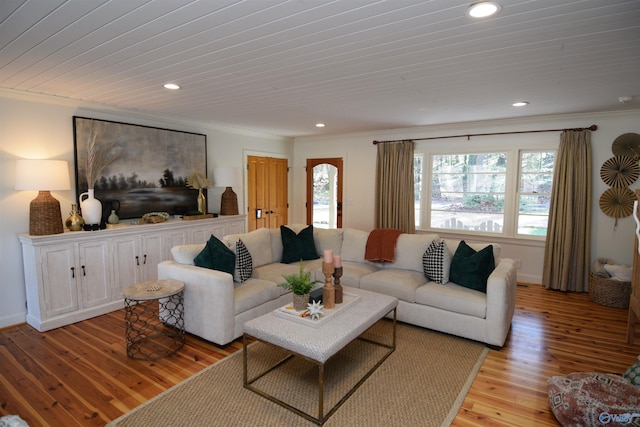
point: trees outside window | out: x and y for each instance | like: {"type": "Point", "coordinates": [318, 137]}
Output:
{"type": "Point", "coordinates": [469, 192]}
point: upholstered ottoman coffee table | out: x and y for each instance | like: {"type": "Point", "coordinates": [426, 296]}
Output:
{"type": "Point", "coordinates": [318, 345]}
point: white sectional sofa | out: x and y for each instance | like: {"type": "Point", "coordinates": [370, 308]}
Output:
{"type": "Point", "coordinates": [216, 307]}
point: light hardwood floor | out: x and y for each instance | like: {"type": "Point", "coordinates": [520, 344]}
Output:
{"type": "Point", "coordinates": [79, 375]}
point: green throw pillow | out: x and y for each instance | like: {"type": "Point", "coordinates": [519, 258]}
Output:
{"type": "Point", "coordinates": [471, 269]}
{"type": "Point", "coordinates": [296, 247]}
{"type": "Point", "coordinates": [216, 256]}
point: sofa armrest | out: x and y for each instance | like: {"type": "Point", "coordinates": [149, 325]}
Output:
{"type": "Point", "coordinates": [501, 299]}
{"type": "Point", "coordinates": [209, 309]}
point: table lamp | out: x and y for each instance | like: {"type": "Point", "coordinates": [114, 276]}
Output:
{"type": "Point", "coordinates": [227, 177]}
{"type": "Point", "coordinates": [43, 175]}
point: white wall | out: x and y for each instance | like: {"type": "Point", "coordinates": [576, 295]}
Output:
{"type": "Point", "coordinates": [359, 156]}
{"type": "Point", "coordinates": [41, 127]}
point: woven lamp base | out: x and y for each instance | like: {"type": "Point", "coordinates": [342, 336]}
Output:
{"type": "Point", "coordinates": [229, 203]}
{"type": "Point", "coordinates": [44, 215]}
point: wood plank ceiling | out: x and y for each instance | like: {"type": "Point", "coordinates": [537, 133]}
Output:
{"type": "Point", "coordinates": [280, 66]}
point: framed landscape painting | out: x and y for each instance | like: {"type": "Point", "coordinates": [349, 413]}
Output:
{"type": "Point", "coordinates": [146, 167]}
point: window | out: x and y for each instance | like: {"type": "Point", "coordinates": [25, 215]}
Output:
{"type": "Point", "coordinates": [534, 196]}
{"type": "Point", "coordinates": [503, 192]}
{"type": "Point", "coordinates": [467, 191]}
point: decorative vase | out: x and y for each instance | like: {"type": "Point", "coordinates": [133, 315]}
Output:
{"type": "Point", "coordinates": [75, 221]}
{"type": "Point", "coordinates": [113, 218]}
{"type": "Point", "coordinates": [202, 202]}
{"type": "Point", "coordinates": [300, 302]}
{"type": "Point", "coordinates": [91, 208]}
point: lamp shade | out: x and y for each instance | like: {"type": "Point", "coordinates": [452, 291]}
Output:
{"type": "Point", "coordinates": [226, 177]}
{"type": "Point", "coordinates": [42, 175]}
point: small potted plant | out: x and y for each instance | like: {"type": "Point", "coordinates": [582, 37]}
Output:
{"type": "Point", "coordinates": [300, 284]}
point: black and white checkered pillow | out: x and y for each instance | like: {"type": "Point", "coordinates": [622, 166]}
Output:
{"type": "Point", "coordinates": [436, 262]}
{"type": "Point", "coordinates": [244, 263]}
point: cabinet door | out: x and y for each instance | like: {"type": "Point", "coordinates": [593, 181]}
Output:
{"type": "Point", "coordinates": [59, 279]}
{"type": "Point", "coordinates": [153, 252]}
{"type": "Point", "coordinates": [126, 270]}
{"type": "Point", "coordinates": [95, 273]}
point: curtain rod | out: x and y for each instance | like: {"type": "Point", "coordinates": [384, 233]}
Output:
{"type": "Point", "coordinates": [469, 135]}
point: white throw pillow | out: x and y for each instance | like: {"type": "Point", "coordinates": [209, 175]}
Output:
{"type": "Point", "coordinates": [619, 272]}
{"type": "Point", "coordinates": [354, 244]}
{"type": "Point", "coordinates": [184, 254]}
{"type": "Point", "coordinates": [409, 250]}
{"type": "Point", "coordinates": [436, 262]}
{"type": "Point", "coordinates": [258, 242]}
{"type": "Point", "coordinates": [328, 238]}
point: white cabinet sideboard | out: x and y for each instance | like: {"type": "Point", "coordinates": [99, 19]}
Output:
{"type": "Point", "coordinates": [77, 275]}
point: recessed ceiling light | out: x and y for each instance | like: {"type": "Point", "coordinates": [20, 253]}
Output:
{"type": "Point", "coordinates": [319, 125]}
{"type": "Point", "coordinates": [172, 86]}
{"type": "Point", "coordinates": [483, 9]}
{"type": "Point", "coordinates": [520, 104]}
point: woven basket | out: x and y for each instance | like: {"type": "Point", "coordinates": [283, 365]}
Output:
{"type": "Point", "coordinates": [609, 292]}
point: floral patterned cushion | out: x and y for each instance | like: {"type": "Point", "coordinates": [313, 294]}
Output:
{"type": "Point", "coordinates": [593, 399]}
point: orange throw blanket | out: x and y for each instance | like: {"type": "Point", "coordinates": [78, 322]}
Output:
{"type": "Point", "coordinates": [381, 245]}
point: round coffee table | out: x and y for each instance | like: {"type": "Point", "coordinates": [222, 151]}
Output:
{"type": "Point", "coordinates": [154, 319]}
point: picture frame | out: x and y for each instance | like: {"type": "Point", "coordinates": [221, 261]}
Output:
{"type": "Point", "coordinates": [149, 167]}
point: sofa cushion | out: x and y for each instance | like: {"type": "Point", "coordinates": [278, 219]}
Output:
{"type": "Point", "coordinates": [216, 256]}
{"type": "Point", "coordinates": [352, 272]}
{"type": "Point", "coordinates": [453, 298]}
{"type": "Point", "coordinates": [244, 263]}
{"type": "Point", "coordinates": [354, 243]}
{"type": "Point", "coordinates": [297, 247]}
{"type": "Point", "coordinates": [184, 254]}
{"type": "Point", "coordinates": [436, 262]}
{"type": "Point", "coordinates": [328, 238]}
{"type": "Point", "coordinates": [401, 284]}
{"type": "Point", "coordinates": [252, 293]}
{"type": "Point", "coordinates": [275, 272]}
{"type": "Point", "coordinates": [471, 269]}
{"type": "Point", "coordinates": [258, 242]}
{"type": "Point", "coordinates": [409, 250]}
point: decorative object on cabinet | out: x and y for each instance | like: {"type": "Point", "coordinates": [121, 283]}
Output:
{"type": "Point", "coordinates": [75, 221]}
{"type": "Point", "coordinates": [154, 217]}
{"type": "Point", "coordinates": [45, 216]}
{"type": "Point", "coordinates": [91, 209]}
{"type": "Point", "coordinates": [620, 171]}
{"type": "Point", "coordinates": [627, 144]}
{"type": "Point", "coordinates": [151, 170]}
{"type": "Point", "coordinates": [199, 182]}
{"type": "Point", "coordinates": [113, 218]}
{"type": "Point", "coordinates": [227, 177]}
{"type": "Point", "coordinates": [197, 216]}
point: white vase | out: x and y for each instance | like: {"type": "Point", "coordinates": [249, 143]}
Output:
{"type": "Point", "coordinates": [91, 208]}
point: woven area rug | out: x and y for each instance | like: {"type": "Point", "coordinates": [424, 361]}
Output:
{"type": "Point", "coordinates": [422, 383]}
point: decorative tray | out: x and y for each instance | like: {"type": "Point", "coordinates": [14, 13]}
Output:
{"type": "Point", "coordinates": [302, 317]}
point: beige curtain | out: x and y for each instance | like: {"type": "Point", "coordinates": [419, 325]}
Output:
{"type": "Point", "coordinates": [567, 249]}
{"type": "Point", "coordinates": [394, 186]}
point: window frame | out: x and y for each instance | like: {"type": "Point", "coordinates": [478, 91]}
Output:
{"type": "Point", "coordinates": [511, 192]}
{"type": "Point", "coordinates": [519, 193]}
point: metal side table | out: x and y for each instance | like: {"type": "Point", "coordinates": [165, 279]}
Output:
{"type": "Point", "coordinates": [154, 319]}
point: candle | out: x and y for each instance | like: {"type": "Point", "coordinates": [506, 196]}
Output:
{"type": "Point", "coordinates": [328, 256]}
{"type": "Point", "coordinates": [337, 261]}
